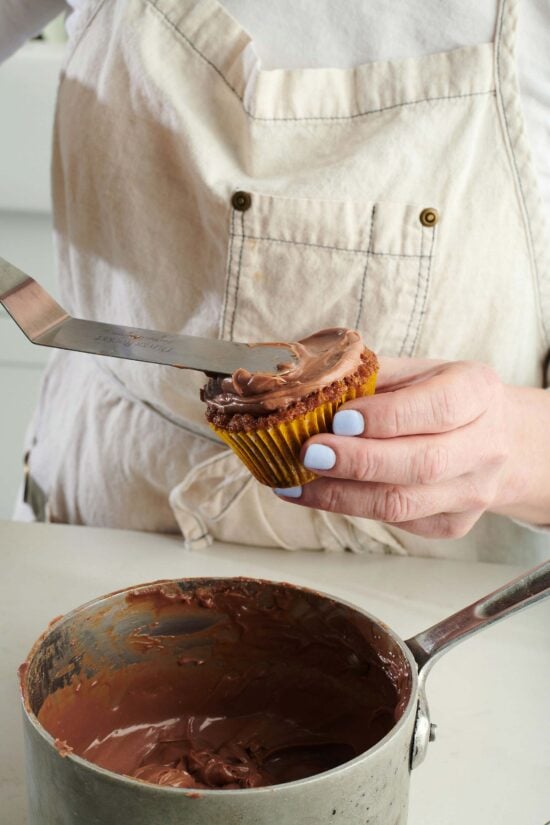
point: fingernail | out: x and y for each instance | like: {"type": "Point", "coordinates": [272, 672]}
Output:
{"type": "Point", "coordinates": [348, 422]}
{"type": "Point", "coordinates": [289, 492]}
{"type": "Point", "coordinates": [319, 457]}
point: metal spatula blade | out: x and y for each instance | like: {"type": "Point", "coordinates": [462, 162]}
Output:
{"type": "Point", "coordinates": [47, 324]}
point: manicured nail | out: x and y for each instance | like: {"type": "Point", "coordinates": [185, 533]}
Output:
{"type": "Point", "coordinates": [319, 457]}
{"type": "Point", "coordinates": [348, 422]}
{"type": "Point", "coordinates": [289, 492]}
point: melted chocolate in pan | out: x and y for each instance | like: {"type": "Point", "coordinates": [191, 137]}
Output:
{"type": "Point", "coordinates": [225, 684]}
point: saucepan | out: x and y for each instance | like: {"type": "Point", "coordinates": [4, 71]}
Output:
{"type": "Point", "coordinates": [258, 646]}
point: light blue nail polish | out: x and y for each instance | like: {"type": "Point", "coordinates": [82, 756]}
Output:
{"type": "Point", "coordinates": [348, 422]}
{"type": "Point", "coordinates": [289, 492]}
{"type": "Point", "coordinates": [319, 457]}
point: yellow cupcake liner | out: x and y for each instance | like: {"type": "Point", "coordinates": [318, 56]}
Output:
{"type": "Point", "coordinates": [273, 455]}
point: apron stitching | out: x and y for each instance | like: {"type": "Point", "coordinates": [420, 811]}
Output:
{"type": "Point", "coordinates": [374, 111]}
{"type": "Point", "coordinates": [517, 175]}
{"type": "Point", "coordinates": [238, 280]}
{"type": "Point", "coordinates": [366, 267]}
{"type": "Point", "coordinates": [127, 394]}
{"type": "Point", "coordinates": [233, 498]}
{"type": "Point", "coordinates": [425, 298]}
{"type": "Point", "coordinates": [327, 246]}
{"type": "Point", "coordinates": [176, 422]}
{"type": "Point", "coordinates": [153, 5]}
{"type": "Point", "coordinates": [415, 302]}
{"type": "Point", "coordinates": [507, 125]}
{"type": "Point", "coordinates": [79, 36]}
{"type": "Point", "coordinates": [228, 274]}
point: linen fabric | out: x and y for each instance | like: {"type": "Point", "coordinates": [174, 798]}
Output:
{"type": "Point", "coordinates": [164, 111]}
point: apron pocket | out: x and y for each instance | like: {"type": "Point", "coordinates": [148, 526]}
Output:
{"type": "Point", "coordinates": [298, 265]}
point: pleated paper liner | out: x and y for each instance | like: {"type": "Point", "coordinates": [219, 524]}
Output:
{"type": "Point", "coordinates": [273, 455]}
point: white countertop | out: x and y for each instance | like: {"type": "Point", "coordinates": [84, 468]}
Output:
{"type": "Point", "coordinates": [489, 697]}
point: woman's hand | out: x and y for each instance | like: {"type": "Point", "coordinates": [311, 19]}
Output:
{"type": "Point", "coordinates": [439, 443]}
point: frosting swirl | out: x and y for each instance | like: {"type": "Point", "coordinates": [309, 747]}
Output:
{"type": "Point", "coordinates": [322, 358]}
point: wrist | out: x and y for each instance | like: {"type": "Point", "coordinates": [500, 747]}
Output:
{"type": "Point", "coordinates": [524, 491]}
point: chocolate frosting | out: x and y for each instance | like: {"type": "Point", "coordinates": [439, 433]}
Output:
{"type": "Point", "coordinates": [235, 684]}
{"type": "Point", "coordinates": [327, 356]}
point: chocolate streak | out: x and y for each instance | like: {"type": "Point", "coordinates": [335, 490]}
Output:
{"type": "Point", "coordinates": [243, 684]}
{"type": "Point", "coordinates": [323, 358]}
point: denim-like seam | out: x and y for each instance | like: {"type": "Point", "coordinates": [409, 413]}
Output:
{"type": "Point", "coordinates": [228, 274]}
{"type": "Point", "coordinates": [370, 111]}
{"type": "Point", "coordinates": [153, 5]}
{"type": "Point", "coordinates": [426, 290]}
{"type": "Point", "coordinates": [238, 279]}
{"type": "Point", "coordinates": [366, 268]}
{"type": "Point", "coordinates": [415, 302]}
{"type": "Point", "coordinates": [327, 246]}
{"type": "Point", "coordinates": [73, 45]}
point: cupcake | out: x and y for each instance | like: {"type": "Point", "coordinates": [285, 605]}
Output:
{"type": "Point", "coordinates": [266, 417]}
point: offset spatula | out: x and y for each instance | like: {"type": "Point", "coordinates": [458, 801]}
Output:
{"type": "Point", "coordinates": [47, 324]}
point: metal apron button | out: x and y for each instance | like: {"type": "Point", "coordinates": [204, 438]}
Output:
{"type": "Point", "coordinates": [241, 201]}
{"type": "Point", "coordinates": [429, 217]}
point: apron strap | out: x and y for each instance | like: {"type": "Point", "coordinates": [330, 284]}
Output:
{"type": "Point", "coordinates": [507, 25]}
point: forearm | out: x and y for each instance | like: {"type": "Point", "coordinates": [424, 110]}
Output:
{"type": "Point", "coordinates": [525, 489]}
{"type": "Point", "coordinates": [22, 19]}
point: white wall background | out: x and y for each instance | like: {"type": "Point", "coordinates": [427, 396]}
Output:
{"type": "Point", "coordinates": [28, 83]}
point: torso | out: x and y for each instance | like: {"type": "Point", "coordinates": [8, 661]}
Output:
{"type": "Point", "coordinates": [340, 164]}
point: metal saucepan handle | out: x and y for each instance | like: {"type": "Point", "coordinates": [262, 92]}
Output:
{"type": "Point", "coordinates": [429, 645]}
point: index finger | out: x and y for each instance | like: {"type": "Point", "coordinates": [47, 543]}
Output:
{"type": "Point", "coordinates": [421, 401]}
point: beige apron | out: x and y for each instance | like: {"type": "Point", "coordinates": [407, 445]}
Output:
{"type": "Point", "coordinates": [163, 113]}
